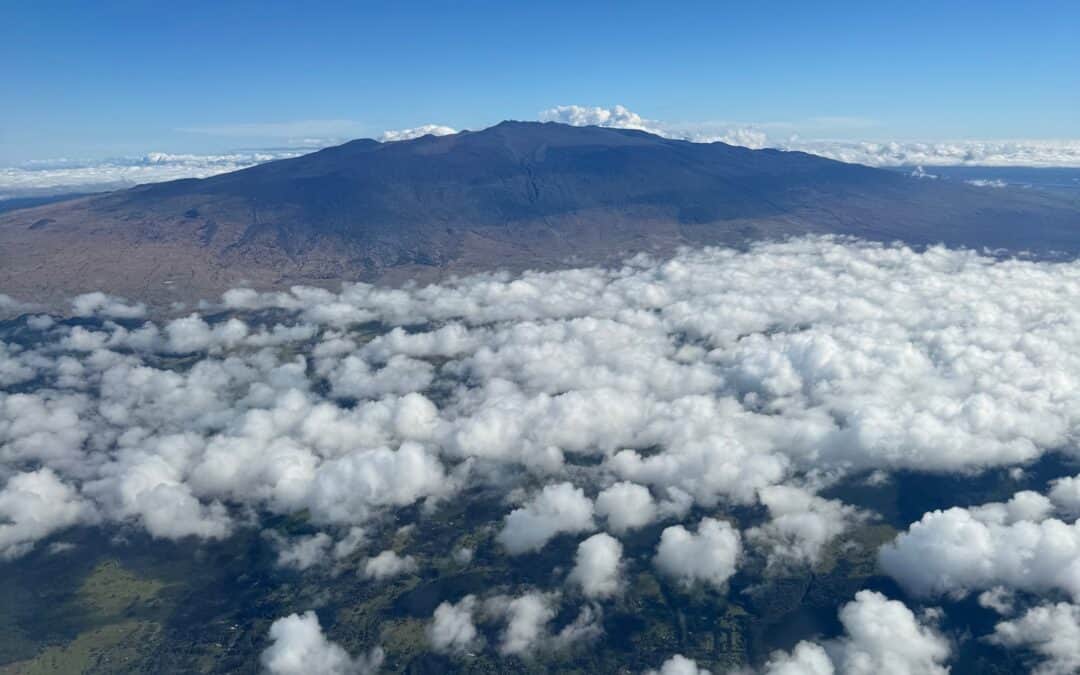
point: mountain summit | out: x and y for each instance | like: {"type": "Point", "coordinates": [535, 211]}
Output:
{"type": "Point", "coordinates": [516, 195]}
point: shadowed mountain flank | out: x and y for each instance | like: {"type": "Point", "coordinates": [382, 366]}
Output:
{"type": "Point", "coordinates": [517, 195]}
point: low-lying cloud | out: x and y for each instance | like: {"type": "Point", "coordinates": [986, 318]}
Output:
{"type": "Point", "coordinates": [653, 401]}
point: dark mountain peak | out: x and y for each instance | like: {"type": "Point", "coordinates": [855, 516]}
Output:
{"type": "Point", "coordinates": [518, 194]}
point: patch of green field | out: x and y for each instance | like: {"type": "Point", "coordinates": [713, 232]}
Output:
{"type": "Point", "coordinates": [113, 648]}
{"type": "Point", "coordinates": [111, 590]}
{"type": "Point", "coordinates": [117, 611]}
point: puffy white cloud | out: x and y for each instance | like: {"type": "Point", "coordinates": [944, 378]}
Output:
{"type": "Point", "coordinates": [597, 566]}
{"type": "Point", "coordinates": [881, 637]}
{"type": "Point", "coordinates": [452, 628]}
{"type": "Point", "coordinates": [678, 665]}
{"type": "Point", "coordinates": [302, 553]}
{"type": "Point", "coordinates": [806, 659]}
{"type": "Point", "coordinates": [416, 132]}
{"type": "Point", "coordinates": [619, 117]}
{"type": "Point", "coordinates": [959, 550]}
{"type": "Point", "coordinates": [580, 116]}
{"type": "Point", "coordinates": [299, 647]}
{"type": "Point", "coordinates": [527, 617]}
{"type": "Point", "coordinates": [100, 304]}
{"type": "Point", "coordinates": [1051, 631]}
{"type": "Point", "coordinates": [353, 376]}
{"type": "Point", "coordinates": [389, 564]}
{"type": "Point", "coordinates": [1065, 494]}
{"type": "Point", "coordinates": [558, 508]}
{"type": "Point", "coordinates": [349, 488]}
{"type": "Point", "coordinates": [999, 599]}
{"type": "Point", "coordinates": [717, 378]}
{"type": "Point", "coordinates": [626, 506]}
{"type": "Point", "coordinates": [710, 555]}
{"type": "Point", "coordinates": [34, 505]}
{"type": "Point", "coordinates": [800, 525]}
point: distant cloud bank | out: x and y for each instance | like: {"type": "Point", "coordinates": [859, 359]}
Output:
{"type": "Point", "coordinates": [1026, 153]}
{"type": "Point", "coordinates": [60, 176]}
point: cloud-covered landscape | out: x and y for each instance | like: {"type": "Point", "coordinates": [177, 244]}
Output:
{"type": "Point", "coordinates": [526, 338]}
{"type": "Point", "coordinates": [712, 418]}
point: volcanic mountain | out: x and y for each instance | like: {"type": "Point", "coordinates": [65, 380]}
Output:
{"type": "Point", "coordinates": [517, 195]}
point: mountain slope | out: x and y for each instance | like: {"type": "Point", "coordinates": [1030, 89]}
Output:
{"type": "Point", "coordinates": [515, 195]}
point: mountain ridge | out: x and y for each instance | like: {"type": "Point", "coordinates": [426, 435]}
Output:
{"type": "Point", "coordinates": [516, 195]}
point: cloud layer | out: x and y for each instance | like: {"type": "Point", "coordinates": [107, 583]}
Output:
{"type": "Point", "coordinates": [650, 403]}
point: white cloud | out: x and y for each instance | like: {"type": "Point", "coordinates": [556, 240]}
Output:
{"type": "Point", "coordinates": [881, 637]}
{"type": "Point", "coordinates": [298, 647]}
{"type": "Point", "coordinates": [626, 506]}
{"type": "Point", "coordinates": [303, 553]}
{"type": "Point", "coordinates": [100, 304]}
{"type": "Point", "coordinates": [389, 564]}
{"type": "Point", "coordinates": [1030, 153]}
{"type": "Point", "coordinates": [800, 526]}
{"type": "Point", "coordinates": [34, 505]}
{"type": "Point", "coordinates": [558, 508]}
{"type": "Point", "coordinates": [416, 132]}
{"type": "Point", "coordinates": [1065, 493]}
{"type": "Point", "coordinates": [710, 555]}
{"type": "Point", "coordinates": [60, 176]}
{"type": "Point", "coordinates": [452, 628]}
{"type": "Point", "coordinates": [806, 659]}
{"type": "Point", "coordinates": [712, 380]}
{"type": "Point", "coordinates": [1015, 545]}
{"type": "Point", "coordinates": [597, 566]}
{"type": "Point", "coordinates": [1051, 631]}
{"type": "Point", "coordinates": [619, 117]}
{"type": "Point", "coordinates": [527, 617]}
{"type": "Point", "coordinates": [678, 665]}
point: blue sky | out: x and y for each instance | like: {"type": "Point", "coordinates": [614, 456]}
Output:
{"type": "Point", "coordinates": [111, 78]}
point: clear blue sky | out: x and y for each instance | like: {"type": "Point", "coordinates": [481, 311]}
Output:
{"type": "Point", "coordinates": [103, 78]}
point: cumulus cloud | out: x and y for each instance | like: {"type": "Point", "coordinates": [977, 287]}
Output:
{"type": "Point", "coordinates": [678, 665]}
{"type": "Point", "coordinates": [558, 508]}
{"type": "Point", "coordinates": [299, 647]}
{"type": "Point", "coordinates": [527, 617]}
{"type": "Point", "coordinates": [302, 553]}
{"type": "Point", "coordinates": [101, 304]}
{"type": "Point", "coordinates": [389, 564]}
{"type": "Point", "coordinates": [626, 506]}
{"type": "Point", "coordinates": [881, 637]}
{"type": "Point", "coordinates": [452, 628]}
{"type": "Point", "coordinates": [1012, 544]}
{"type": "Point", "coordinates": [800, 525]}
{"type": "Point", "coordinates": [717, 381]}
{"type": "Point", "coordinates": [714, 377]}
{"type": "Point", "coordinates": [619, 117]}
{"type": "Point", "coordinates": [1065, 494]}
{"type": "Point", "coordinates": [596, 567]}
{"type": "Point", "coordinates": [709, 555]}
{"type": "Point", "coordinates": [34, 505]}
{"type": "Point", "coordinates": [1051, 631]}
